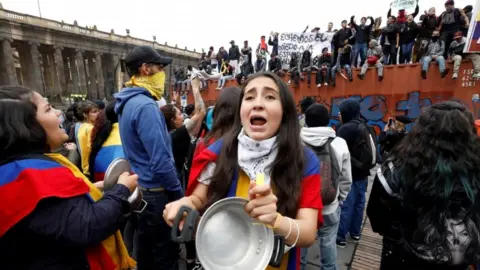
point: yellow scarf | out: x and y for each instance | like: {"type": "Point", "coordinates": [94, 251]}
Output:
{"type": "Point", "coordinates": [113, 245]}
{"type": "Point", "coordinates": [155, 84]}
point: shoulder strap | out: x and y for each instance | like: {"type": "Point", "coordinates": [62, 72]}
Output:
{"type": "Point", "coordinates": [385, 177]}
{"type": "Point", "coordinates": [333, 156]}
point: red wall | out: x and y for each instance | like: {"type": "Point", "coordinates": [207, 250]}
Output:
{"type": "Point", "coordinates": [402, 91]}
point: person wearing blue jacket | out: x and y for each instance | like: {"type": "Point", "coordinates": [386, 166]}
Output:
{"type": "Point", "coordinates": [147, 146]}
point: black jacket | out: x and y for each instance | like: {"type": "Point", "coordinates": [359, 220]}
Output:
{"type": "Point", "coordinates": [409, 32]}
{"type": "Point", "coordinates": [341, 36]}
{"type": "Point", "coordinates": [362, 34]}
{"type": "Point", "coordinates": [273, 42]}
{"type": "Point", "coordinates": [275, 66]}
{"type": "Point", "coordinates": [388, 140]}
{"type": "Point", "coordinates": [349, 131]}
{"type": "Point", "coordinates": [234, 53]}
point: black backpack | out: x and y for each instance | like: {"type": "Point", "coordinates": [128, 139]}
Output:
{"type": "Point", "coordinates": [366, 146]}
{"type": "Point", "coordinates": [329, 171]}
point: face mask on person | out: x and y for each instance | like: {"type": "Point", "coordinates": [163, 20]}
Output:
{"type": "Point", "coordinates": [435, 38]}
{"type": "Point", "coordinates": [155, 84]}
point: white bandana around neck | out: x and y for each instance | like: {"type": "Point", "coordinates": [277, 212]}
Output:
{"type": "Point", "coordinates": [256, 156]}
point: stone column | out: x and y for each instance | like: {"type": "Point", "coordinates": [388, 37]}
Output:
{"type": "Point", "coordinates": [8, 74]}
{"type": "Point", "coordinates": [60, 82]}
{"type": "Point", "coordinates": [92, 78]}
{"type": "Point", "coordinates": [47, 75]}
{"type": "Point", "coordinates": [74, 72]}
{"type": "Point", "coordinates": [99, 75]}
{"type": "Point", "coordinates": [36, 80]}
{"type": "Point", "coordinates": [117, 72]}
{"type": "Point", "coordinates": [82, 78]}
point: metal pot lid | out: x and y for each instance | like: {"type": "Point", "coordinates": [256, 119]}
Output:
{"type": "Point", "coordinates": [114, 170]}
{"type": "Point", "coordinates": [228, 239]}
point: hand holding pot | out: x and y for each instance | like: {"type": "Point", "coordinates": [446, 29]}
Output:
{"type": "Point", "coordinates": [263, 204]}
{"type": "Point", "coordinates": [130, 181]}
{"type": "Point", "coordinates": [172, 209]}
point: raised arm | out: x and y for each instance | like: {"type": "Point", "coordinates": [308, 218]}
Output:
{"type": "Point", "coordinates": [194, 124]}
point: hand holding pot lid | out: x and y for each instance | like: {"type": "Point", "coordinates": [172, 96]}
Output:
{"type": "Point", "coordinates": [263, 204]}
{"type": "Point", "coordinates": [128, 180]}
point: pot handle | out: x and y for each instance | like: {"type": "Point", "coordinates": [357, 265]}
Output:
{"type": "Point", "coordinates": [278, 251]}
{"type": "Point", "coordinates": [190, 222]}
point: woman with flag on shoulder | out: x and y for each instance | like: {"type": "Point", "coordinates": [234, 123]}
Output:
{"type": "Point", "coordinates": [264, 141]}
{"type": "Point", "coordinates": [51, 216]}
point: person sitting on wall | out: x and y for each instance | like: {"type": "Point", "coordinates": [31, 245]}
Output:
{"type": "Point", "coordinates": [323, 64]}
{"type": "Point", "coordinates": [294, 69]}
{"type": "Point", "coordinates": [227, 74]}
{"type": "Point", "coordinates": [374, 58]}
{"type": "Point", "coordinates": [435, 51]}
{"type": "Point", "coordinates": [275, 65]}
{"type": "Point", "coordinates": [306, 65]}
{"type": "Point", "coordinates": [344, 60]}
{"type": "Point", "coordinates": [455, 53]}
{"type": "Point", "coordinates": [245, 69]}
{"type": "Point", "coordinates": [260, 64]}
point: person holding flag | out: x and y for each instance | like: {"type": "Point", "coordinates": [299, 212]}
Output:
{"type": "Point", "coordinates": [52, 216]}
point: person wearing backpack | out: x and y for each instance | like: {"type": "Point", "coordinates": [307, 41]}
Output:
{"type": "Point", "coordinates": [336, 175]}
{"type": "Point", "coordinates": [363, 157]}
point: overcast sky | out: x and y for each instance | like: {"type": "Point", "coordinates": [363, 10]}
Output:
{"type": "Point", "coordinates": [201, 23]}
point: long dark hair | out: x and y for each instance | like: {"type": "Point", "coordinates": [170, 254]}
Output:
{"type": "Point", "coordinates": [20, 132]}
{"type": "Point", "coordinates": [437, 166]}
{"type": "Point", "coordinates": [287, 168]}
{"type": "Point", "coordinates": [224, 112]}
{"type": "Point", "coordinates": [101, 131]}
{"type": "Point", "coordinates": [170, 113]}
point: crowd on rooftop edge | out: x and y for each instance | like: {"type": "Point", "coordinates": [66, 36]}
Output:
{"type": "Point", "coordinates": [57, 212]}
{"type": "Point", "coordinates": [407, 38]}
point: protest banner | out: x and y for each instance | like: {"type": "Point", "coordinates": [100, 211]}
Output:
{"type": "Point", "coordinates": [473, 36]}
{"type": "Point", "coordinates": [289, 43]}
{"type": "Point", "coordinates": [404, 4]}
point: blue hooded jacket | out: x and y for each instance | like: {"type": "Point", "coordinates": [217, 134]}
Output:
{"type": "Point", "coordinates": [145, 139]}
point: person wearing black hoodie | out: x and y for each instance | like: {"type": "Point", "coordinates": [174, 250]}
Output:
{"type": "Point", "coordinates": [362, 37]}
{"type": "Point", "coordinates": [275, 65]}
{"type": "Point", "coordinates": [351, 130]}
{"type": "Point", "coordinates": [273, 41]}
{"type": "Point", "coordinates": [390, 41]}
{"type": "Point", "coordinates": [428, 23]}
{"type": "Point", "coordinates": [306, 65]}
{"type": "Point", "coordinates": [339, 38]}
{"type": "Point", "coordinates": [408, 34]}
{"type": "Point", "coordinates": [468, 11]}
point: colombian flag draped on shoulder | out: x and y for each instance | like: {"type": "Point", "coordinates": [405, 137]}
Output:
{"type": "Point", "coordinates": [204, 157]}
{"type": "Point", "coordinates": [309, 196]}
{"type": "Point", "coordinates": [25, 182]}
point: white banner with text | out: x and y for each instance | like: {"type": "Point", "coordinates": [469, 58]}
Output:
{"type": "Point", "coordinates": [289, 43]}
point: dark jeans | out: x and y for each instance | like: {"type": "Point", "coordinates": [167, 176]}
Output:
{"type": "Point", "coordinates": [153, 245]}
{"type": "Point", "coordinates": [352, 211]}
{"type": "Point", "coordinates": [447, 37]}
{"type": "Point", "coordinates": [406, 55]}
{"type": "Point", "coordinates": [359, 50]}
{"type": "Point", "coordinates": [323, 75]}
{"type": "Point", "coordinates": [390, 54]}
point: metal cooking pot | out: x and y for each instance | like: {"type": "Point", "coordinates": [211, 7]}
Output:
{"type": "Point", "coordinates": [114, 170]}
{"type": "Point", "coordinates": [227, 238]}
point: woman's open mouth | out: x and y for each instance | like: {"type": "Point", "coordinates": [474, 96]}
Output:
{"type": "Point", "coordinates": [258, 121]}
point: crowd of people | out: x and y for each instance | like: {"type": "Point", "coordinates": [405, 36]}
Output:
{"type": "Point", "coordinates": [57, 213]}
{"type": "Point", "coordinates": [433, 38]}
